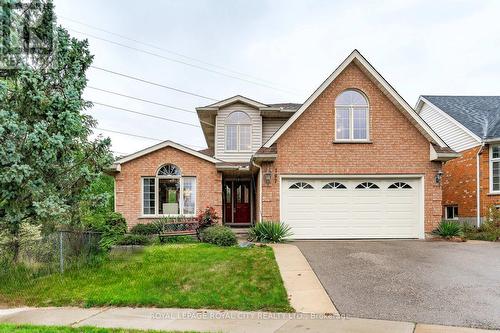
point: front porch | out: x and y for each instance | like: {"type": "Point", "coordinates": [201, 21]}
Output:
{"type": "Point", "coordinates": [238, 195]}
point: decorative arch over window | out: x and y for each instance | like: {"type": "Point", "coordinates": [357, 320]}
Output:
{"type": "Point", "coordinates": [238, 132]}
{"type": "Point", "coordinates": [169, 170]}
{"type": "Point", "coordinates": [351, 116]}
{"type": "Point", "coordinates": [367, 185]}
{"type": "Point", "coordinates": [300, 186]}
{"type": "Point", "coordinates": [398, 185]}
{"type": "Point", "coordinates": [334, 185]}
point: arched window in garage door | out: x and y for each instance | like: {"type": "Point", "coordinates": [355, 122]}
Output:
{"type": "Point", "coordinates": [334, 185]}
{"type": "Point", "coordinates": [398, 185]}
{"type": "Point", "coordinates": [367, 185]}
{"type": "Point", "coordinates": [300, 186]}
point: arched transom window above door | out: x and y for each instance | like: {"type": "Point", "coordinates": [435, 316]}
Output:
{"type": "Point", "coordinates": [238, 132]}
{"type": "Point", "coordinates": [351, 116]}
{"type": "Point", "coordinates": [168, 193]}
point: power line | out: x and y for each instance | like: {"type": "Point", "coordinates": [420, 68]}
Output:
{"type": "Point", "coordinates": [139, 136]}
{"type": "Point", "coordinates": [152, 83]}
{"type": "Point", "coordinates": [145, 114]}
{"type": "Point", "coordinates": [179, 61]}
{"type": "Point", "coordinates": [141, 99]}
{"type": "Point", "coordinates": [165, 50]}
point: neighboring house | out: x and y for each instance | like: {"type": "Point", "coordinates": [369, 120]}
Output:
{"type": "Point", "coordinates": [354, 161]}
{"type": "Point", "coordinates": [469, 125]}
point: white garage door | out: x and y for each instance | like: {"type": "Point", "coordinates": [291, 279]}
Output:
{"type": "Point", "coordinates": [352, 208]}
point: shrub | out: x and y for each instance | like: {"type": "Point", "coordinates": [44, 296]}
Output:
{"type": "Point", "coordinates": [131, 239]}
{"type": "Point", "coordinates": [144, 229]}
{"type": "Point", "coordinates": [268, 231]}
{"type": "Point", "coordinates": [113, 228]}
{"type": "Point", "coordinates": [208, 217]}
{"type": "Point", "coordinates": [449, 229]}
{"type": "Point", "coordinates": [218, 235]}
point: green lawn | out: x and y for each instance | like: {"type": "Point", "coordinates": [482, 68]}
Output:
{"type": "Point", "coordinates": [12, 328]}
{"type": "Point", "coordinates": [175, 275]}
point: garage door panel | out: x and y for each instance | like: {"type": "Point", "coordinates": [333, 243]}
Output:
{"type": "Point", "coordinates": [351, 212]}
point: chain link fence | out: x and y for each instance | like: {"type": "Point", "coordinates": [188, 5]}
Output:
{"type": "Point", "coordinates": [55, 252]}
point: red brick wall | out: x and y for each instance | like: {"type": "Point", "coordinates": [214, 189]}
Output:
{"type": "Point", "coordinates": [459, 183]}
{"type": "Point", "coordinates": [128, 182]}
{"type": "Point", "coordinates": [397, 146]}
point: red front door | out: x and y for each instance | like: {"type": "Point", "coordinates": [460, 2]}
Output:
{"type": "Point", "coordinates": [237, 201]}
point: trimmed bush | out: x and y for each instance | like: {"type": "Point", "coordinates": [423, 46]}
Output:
{"type": "Point", "coordinates": [131, 239]}
{"type": "Point", "coordinates": [218, 235]}
{"type": "Point", "coordinates": [268, 231]}
{"type": "Point", "coordinates": [144, 229]}
{"type": "Point", "coordinates": [449, 229]}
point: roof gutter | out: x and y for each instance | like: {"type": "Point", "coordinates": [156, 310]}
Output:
{"type": "Point", "coordinates": [478, 186]}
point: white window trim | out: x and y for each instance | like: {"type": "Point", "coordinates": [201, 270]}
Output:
{"type": "Point", "coordinates": [351, 109]}
{"type": "Point", "coordinates": [181, 197]}
{"type": "Point", "coordinates": [446, 217]}
{"type": "Point", "coordinates": [491, 160]}
{"type": "Point", "coordinates": [237, 150]}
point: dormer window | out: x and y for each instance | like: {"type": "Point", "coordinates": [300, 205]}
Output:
{"type": "Point", "coordinates": [351, 116]}
{"type": "Point", "coordinates": [238, 132]}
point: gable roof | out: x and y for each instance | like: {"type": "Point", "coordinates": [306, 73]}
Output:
{"type": "Point", "coordinates": [161, 145]}
{"type": "Point", "coordinates": [368, 69]}
{"type": "Point", "coordinates": [234, 99]}
{"type": "Point", "coordinates": [478, 114]}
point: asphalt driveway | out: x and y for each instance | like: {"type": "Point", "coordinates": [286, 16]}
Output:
{"type": "Point", "coordinates": [419, 281]}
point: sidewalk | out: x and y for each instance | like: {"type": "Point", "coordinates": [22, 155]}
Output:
{"type": "Point", "coordinates": [304, 289]}
{"type": "Point", "coordinates": [214, 321]}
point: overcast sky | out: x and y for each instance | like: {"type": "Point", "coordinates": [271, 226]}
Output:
{"type": "Point", "coordinates": [273, 51]}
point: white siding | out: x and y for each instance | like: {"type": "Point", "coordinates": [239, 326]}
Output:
{"type": "Point", "coordinates": [220, 135]}
{"type": "Point", "coordinates": [270, 126]}
{"type": "Point", "coordinates": [454, 136]}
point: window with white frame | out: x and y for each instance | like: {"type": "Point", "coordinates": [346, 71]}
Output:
{"type": "Point", "coordinates": [169, 193]}
{"type": "Point", "coordinates": [451, 212]}
{"type": "Point", "coordinates": [238, 132]}
{"type": "Point", "coordinates": [495, 168]}
{"type": "Point", "coordinates": [351, 116]}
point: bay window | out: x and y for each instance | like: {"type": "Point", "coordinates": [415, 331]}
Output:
{"type": "Point", "coordinates": [168, 193]}
{"type": "Point", "coordinates": [351, 117]}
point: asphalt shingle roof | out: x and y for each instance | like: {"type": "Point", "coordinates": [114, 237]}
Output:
{"type": "Point", "coordinates": [479, 114]}
{"type": "Point", "coordinates": [287, 106]}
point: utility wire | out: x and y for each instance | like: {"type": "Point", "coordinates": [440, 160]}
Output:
{"type": "Point", "coordinates": [179, 61]}
{"type": "Point", "coordinates": [145, 114]}
{"type": "Point", "coordinates": [165, 50]}
{"type": "Point", "coordinates": [141, 99]}
{"type": "Point", "coordinates": [152, 83]}
{"type": "Point", "coordinates": [139, 136]}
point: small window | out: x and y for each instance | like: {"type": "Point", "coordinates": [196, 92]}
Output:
{"type": "Point", "coordinates": [301, 185]}
{"type": "Point", "coordinates": [238, 132]}
{"type": "Point", "coordinates": [398, 185]}
{"type": "Point", "coordinates": [351, 116]}
{"type": "Point", "coordinates": [367, 185]}
{"type": "Point", "coordinates": [334, 185]}
{"type": "Point", "coordinates": [451, 212]}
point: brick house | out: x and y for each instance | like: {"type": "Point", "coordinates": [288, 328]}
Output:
{"type": "Point", "coordinates": [353, 161]}
{"type": "Point", "coordinates": [470, 125]}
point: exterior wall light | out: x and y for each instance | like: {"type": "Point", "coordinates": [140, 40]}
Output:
{"type": "Point", "coordinates": [438, 177]}
{"type": "Point", "coordinates": [267, 178]}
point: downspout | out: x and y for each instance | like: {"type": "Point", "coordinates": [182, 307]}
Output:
{"type": "Point", "coordinates": [260, 188]}
{"type": "Point", "coordinates": [478, 186]}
